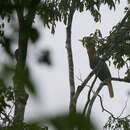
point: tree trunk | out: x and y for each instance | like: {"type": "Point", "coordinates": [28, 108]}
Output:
{"type": "Point", "coordinates": [72, 107]}
{"type": "Point", "coordinates": [20, 94]}
{"type": "Point", "coordinates": [25, 24]}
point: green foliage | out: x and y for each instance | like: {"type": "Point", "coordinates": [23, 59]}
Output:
{"type": "Point", "coordinates": [24, 126]}
{"type": "Point", "coordinates": [96, 40]}
{"type": "Point", "coordinates": [60, 122]}
{"type": "Point", "coordinates": [117, 123]}
{"type": "Point", "coordinates": [45, 57]}
{"type": "Point", "coordinates": [49, 13]}
{"type": "Point", "coordinates": [120, 40]}
{"type": "Point", "coordinates": [6, 96]}
{"type": "Point", "coordinates": [33, 35]}
{"type": "Point", "coordinates": [6, 8]}
{"type": "Point", "coordinates": [52, 11]}
{"type": "Point", "coordinates": [68, 122]}
{"type": "Point", "coordinates": [26, 78]}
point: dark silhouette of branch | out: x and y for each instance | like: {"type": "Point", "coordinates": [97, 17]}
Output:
{"type": "Point", "coordinates": [81, 87]}
{"type": "Point", "coordinates": [121, 79]}
{"type": "Point", "coordinates": [93, 99]}
{"type": "Point", "coordinates": [103, 109]}
{"type": "Point", "coordinates": [101, 101]}
{"type": "Point", "coordinates": [89, 93]}
{"type": "Point", "coordinates": [123, 108]}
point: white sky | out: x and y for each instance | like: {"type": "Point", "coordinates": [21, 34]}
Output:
{"type": "Point", "coordinates": [52, 82]}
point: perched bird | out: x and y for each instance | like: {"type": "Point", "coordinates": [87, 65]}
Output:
{"type": "Point", "coordinates": [103, 73]}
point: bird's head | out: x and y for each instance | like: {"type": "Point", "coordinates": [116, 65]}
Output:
{"type": "Point", "coordinates": [88, 42]}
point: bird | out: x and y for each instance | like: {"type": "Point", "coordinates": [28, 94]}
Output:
{"type": "Point", "coordinates": [103, 73]}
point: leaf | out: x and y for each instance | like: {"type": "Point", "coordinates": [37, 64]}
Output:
{"type": "Point", "coordinates": [68, 122]}
{"type": "Point", "coordinates": [29, 82]}
{"type": "Point", "coordinates": [45, 57]}
{"type": "Point", "coordinates": [6, 43]}
{"type": "Point", "coordinates": [33, 34]}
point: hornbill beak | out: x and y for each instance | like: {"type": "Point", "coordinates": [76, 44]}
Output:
{"type": "Point", "coordinates": [81, 41]}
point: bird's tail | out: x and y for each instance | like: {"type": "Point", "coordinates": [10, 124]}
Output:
{"type": "Point", "coordinates": [110, 88]}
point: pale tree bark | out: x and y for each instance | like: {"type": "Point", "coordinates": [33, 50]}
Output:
{"type": "Point", "coordinates": [72, 107]}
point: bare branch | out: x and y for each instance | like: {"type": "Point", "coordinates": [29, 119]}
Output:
{"type": "Point", "coordinates": [123, 108]}
{"type": "Point", "coordinates": [89, 93]}
{"type": "Point", "coordinates": [93, 99]}
{"type": "Point", "coordinates": [121, 79]}
{"type": "Point", "coordinates": [81, 87]}
{"type": "Point", "coordinates": [101, 101]}
{"type": "Point", "coordinates": [103, 109]}
{"type": "Point", "coordinates": [79, 78]}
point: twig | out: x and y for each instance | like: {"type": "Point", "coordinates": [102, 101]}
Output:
{"type": "Point", "coordinates": [103, 109]}
{"type": "Point", "coordinates": [11, 110]}
{"type": "Point", "coordinates": [123, 108]}
{"type": "Point", "coordinates": [79, 78]}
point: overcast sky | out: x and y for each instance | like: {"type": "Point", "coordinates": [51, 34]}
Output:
{"type": "Point", "coordinates": [52, 82]}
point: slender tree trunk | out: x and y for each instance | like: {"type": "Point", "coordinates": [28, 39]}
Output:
{"type": "Point", "coordinates": [72, 107]}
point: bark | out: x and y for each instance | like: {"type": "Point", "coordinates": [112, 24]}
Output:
{"type": "Point", "coordinates": [25, 24]}
{"type": "Point", "coordinates": [72, 107]}
{"type": "Point", "coordinates": [20, 94]}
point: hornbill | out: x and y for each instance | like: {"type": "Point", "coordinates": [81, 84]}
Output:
{"type": "Point", "coordinates": [102, 73]}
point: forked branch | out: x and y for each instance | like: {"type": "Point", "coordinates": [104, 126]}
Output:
{"type": "Point", "coordinates": [89, 94]}
{"type": "Point", "coordinates": [93, 99]}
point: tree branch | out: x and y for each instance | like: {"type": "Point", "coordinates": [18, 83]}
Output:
{"type": "Point", "coordinates": [121, 79]}
{"type": "Point", "coordinates": [103, 109]}
{"type": "Point", "coordinates": [81, 87]}
{"type": "Point", "coordinates": [123, 108]}
{"type": "Point", "coordinates": [89, 93]}
{"type": "Point", "coordinates": [122, 22]}
{"type": "Point", "coordinates": [93, 99]}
